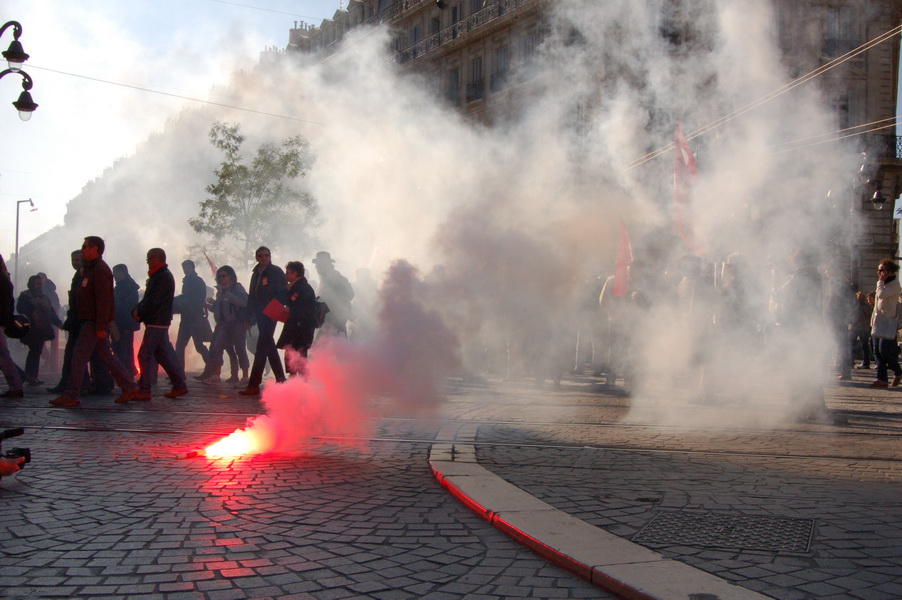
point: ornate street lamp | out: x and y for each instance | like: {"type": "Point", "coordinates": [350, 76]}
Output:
{"type": "Point", "coordinates": [15, 57]}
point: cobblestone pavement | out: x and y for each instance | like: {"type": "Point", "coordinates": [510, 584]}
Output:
{"type": "Point", "coordinates": [790, 510]}
{"type": "Point", "coordinates": [104, 510]}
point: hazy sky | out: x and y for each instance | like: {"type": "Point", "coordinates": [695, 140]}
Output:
{"type": "Point", "coordinates": [180, 47]}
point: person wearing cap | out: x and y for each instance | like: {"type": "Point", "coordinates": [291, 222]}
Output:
{"type": "Point", "coordinates": [336, 291]}
{"type": "Point", "coordinates": [267, 284]}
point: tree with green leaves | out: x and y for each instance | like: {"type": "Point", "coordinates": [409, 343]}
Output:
{"type": "Point", "coordinates": [255, 204]}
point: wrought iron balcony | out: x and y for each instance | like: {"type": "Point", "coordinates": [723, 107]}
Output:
{"type": "Point", "coordinates": [492, 11]}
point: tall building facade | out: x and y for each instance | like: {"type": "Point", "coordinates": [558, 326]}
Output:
{"type": "Point", "coordinates": [469, 51]}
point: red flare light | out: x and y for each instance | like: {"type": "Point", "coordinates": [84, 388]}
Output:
{"type": "Point", "coordinates": [239, 443]}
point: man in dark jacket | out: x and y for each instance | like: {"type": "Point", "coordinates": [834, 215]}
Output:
{"type": "Point", "coordinates": [267, 284]}
{"type": "Point", "coordinates": [336, 291]}
{"type": "Point", "coordinates": [194, 322]}
{"type": "Point", "coordinates": [96, 311]}
{"type": "Point", "coordinates": [155, 311]}
{"type": "Point", "coordinates": [9, 368]}
{"type": "Point", "coordinates": [300, 325]}
{"type": "Point", "coordinates": [126, 296]}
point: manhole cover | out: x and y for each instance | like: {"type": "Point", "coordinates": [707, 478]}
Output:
{"type": "Point", "coordinates": [774, 534]}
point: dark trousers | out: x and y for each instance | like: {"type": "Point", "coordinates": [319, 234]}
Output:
{"type": "Point", "coordinates": [861, 338]}
{"type": "Point", "coordinates": [33, 360]}
{"type": "Point", "coordinates": [266, 350]}
{"type": "Point", "coordinates": [86, 344]}
{"type": "Point", "coordinates": [887, 353]}
{"type": "Point", "coordinates": [190, 329]}
{"type": "Point", "coordinates": [157, 349]}
{"type": "Point", "coordinates": [124, 350]}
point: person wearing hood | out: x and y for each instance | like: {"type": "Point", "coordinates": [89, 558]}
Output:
{"type": "Point", "coordinates": [36, 306]}
{"type": "Point", "coordinates": [126, 297]}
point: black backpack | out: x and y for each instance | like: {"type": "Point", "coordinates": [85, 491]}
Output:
{"type": "Point", "coordinates": [319, 312]}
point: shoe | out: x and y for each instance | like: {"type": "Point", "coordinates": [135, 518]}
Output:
{"type": "Point", "coordinates": [212, 380]}
{"type": "Point", "coordinates": [878, 384]}
{"type": "Point", "coordinates": [140, 396]}
{"type": "Point", "coordinates": [12, 394]}
{"type": "Point", "coordinates": [243, 381]}
{"type": "Point", "coordinates": [232, 379]}
{"type": "Point", "coordinates": [34, 382]}
{"type": "Point", "coordinates": [862, 366]}
{"type": "Point", "coordinates": [57, 389]}
{"type": "Point", "coordinates": [250, 391]}
{"type": "Point", "coordinates": [174, 393]}
{"type": "Point", "coordinates": [65, 401]}
{"type": "Point", "coordinates": [896, 381]}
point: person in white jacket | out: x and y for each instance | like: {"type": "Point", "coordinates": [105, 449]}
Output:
{"type": "Point", "coordinates": [884, 324]}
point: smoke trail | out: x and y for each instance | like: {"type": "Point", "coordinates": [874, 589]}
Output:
{"type": "Point", "coordinates": [404, 364]}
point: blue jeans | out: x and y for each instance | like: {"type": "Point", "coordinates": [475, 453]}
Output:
{"type": "Point", "coordinates": [86, 344]}
{"type": "Point", "coordinates": [887, 354]}
{"type": "Point", "coordinates": [156, 348]}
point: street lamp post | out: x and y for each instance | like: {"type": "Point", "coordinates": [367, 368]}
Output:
{"type": "Point", "coordinates": [15, 57]}
{"type": "Point", "coordinates": [33, 208]}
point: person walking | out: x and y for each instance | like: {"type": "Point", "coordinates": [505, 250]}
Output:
{"type": "Point", "coordinates": [9, 368]}
{"type": "Point", "coordinates": [194, 323]}
{"type": "Point", "coordinates": [267, 284]}
{"type": "Point", "coordinates": [885, 324]}
{"type": "Point", "coordinates": [155, 311]}
{"type": "Point", "coordinates": [34, 305]}
{"type": "Point", "coordinates": [94, 298]}
{"type": "Point", "coordinates": [300, 324]}
{"type": "Point", "coordinates": [126, 297]}
{"type": "Point", "coordinates": [336, 291]}
{"type": "Point", "coordinates": [230, 314]}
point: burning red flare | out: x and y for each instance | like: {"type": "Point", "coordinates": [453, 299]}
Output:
{"type": "Point", "coordinates": [256, 438]}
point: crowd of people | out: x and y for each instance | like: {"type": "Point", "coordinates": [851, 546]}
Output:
{"type": "Point", "coordinates": [106, 307]}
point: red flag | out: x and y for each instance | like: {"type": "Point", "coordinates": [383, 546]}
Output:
{"type": "Point", "coordinates": [212, 265]}
{"type": "Point", "coordinates": [685, 171]}
{"type": "Point", "coordinates": [621, 267]}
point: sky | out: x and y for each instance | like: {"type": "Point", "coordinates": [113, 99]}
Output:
{"type": "Point", "coordinates": [82, 125]}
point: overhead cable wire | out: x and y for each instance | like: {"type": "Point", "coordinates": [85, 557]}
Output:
{"type": "Point", "coordinates": [770, 96]}
{"type": "Point", "coordinates": [171, 95]}
{"type": "Point", "coordinates": [834, 139]}
{"type": "Point", "coordinates": [833, 134]}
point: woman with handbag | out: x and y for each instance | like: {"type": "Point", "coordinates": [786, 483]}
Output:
{"type": "Point", "coordinates": [885, 324]}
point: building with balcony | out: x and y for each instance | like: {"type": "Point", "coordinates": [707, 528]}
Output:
{"type": "Point", "coordinates": [472, 54]}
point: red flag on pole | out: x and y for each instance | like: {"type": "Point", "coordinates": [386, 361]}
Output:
{"type": "Point", "coordinates": [621, 267]}
{"type": "Point", "coordinates": [685, 171]}
{"type": "Point", "coordinates": [212, 265]}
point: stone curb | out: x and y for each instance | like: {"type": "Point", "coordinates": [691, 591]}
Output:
{"type": "Point", "coordinates": [591, 553]}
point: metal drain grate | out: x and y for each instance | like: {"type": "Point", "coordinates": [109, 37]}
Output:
{"type": "Point", "coordinates": [774, 534]}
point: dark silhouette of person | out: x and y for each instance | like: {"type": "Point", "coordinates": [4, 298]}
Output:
{"type": "Point", "coordinates": [267, 284]}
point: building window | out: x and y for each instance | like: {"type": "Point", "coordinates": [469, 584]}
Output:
{"type": "Point", "coordinates": [476, 86]}
{"type": "Point", "coordinates": [475, 6]}
{"type": "Point", "coordinates": [453, 91]}
{"type": "Point", "coordinates": [435, 25]}
{"type": "Point", "coordinates": [841, 34]}
{"type": "Point", "coordinates": [531, 42]}
{"type": "Point", "coordinates": [500, 68]}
